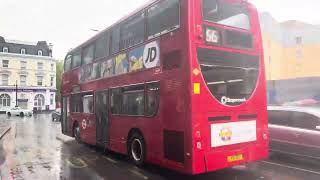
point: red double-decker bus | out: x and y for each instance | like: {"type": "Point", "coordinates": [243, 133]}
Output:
{"type": "Point", "coordinates": [177, 83]}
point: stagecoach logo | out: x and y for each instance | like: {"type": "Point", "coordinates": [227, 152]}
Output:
{"type": "Point", "coordinates": [225, 134]}
{"type": "Point", "coordinates": [151, 55]}
{"type": "Point", "coordinates": [226, 100]}
{"type": "Point", "coordinates": [84, 124]}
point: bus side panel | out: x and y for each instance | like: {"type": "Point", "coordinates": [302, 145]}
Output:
{"type": "Point", "coordinates": [168, 134]}
{"type": "Point", "coordinates": [175, 112]}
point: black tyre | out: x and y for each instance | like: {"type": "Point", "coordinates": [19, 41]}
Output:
{"type": "Point", "coordinates": [21, 114]}
{"type": "Point", "coordinates": [76, 133]}
{"type": "Point", "coordinates": [9, 114]}
{"type": "Point", "coordinates": [137, 149]}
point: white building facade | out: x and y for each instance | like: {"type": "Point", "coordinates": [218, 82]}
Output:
{"type": "Point", "coordinates": [31, 67]}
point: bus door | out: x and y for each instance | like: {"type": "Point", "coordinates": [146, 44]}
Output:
{"type": "Point", "coordinates": [65, 124]}
{"type": "Point", "coordinates": [102, 118]}
{"type": "Point", "coordinates": [88, 123]}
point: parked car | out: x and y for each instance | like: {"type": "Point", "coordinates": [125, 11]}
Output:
{"type": "Point", "coordinates": [295, 131]}
{"type": "Point", "coordinates": [56, 115]}
{"type": "Point", "coordinates": [303, 102]}
{"type": "Point", "coordinates": [18, 111]}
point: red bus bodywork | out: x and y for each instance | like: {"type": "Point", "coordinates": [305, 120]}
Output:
{"type": "Point", "coordinates": [179, 136]}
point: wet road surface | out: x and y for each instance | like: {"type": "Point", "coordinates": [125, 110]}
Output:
{"type": "Point", "coordinates": [35, 149]}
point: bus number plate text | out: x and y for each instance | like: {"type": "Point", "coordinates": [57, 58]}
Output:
{"type": "Point", "coordinates": [234, 158]}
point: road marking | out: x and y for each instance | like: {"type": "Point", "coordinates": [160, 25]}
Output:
{"type": "Point", "coordinates": [110, 160]}
{"type": "Point", "coordinates": [139, 174]}
{"type": "Point", "coordinates": [5, 132]}
{"type": "Point", "coordinates": [291, 167]}
{"type": "Point", "coordinates": [283, 152]}
{"type": "Point", "coordinates": [83, 163]}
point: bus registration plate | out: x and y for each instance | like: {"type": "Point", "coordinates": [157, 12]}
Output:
{"type": "Point", "coordinates": [234, 158]}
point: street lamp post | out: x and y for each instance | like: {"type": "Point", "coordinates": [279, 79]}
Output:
{"type": "Point", "coordinates": [16, 93]}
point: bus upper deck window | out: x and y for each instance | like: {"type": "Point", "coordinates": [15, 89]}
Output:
{"type": "Point", "coordinates": [67, 63]}
{"type": "Point", "coordinates": [226, 13]}
{"type": "Point", "coordinates": [163, 17]}
{"type": "Point", "coordinates": [88, 54]}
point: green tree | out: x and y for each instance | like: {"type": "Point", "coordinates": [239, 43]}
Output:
{"type": "Point", "coordinates": [59, 72]}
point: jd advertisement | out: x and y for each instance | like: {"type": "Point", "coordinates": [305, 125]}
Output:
{"type": "Point", "coordinates": [140, 58]}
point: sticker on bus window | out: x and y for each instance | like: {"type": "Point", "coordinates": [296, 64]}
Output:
{"type": "Point", "coordinates": [151, 55]}
{"type": "Point", "coordinates": [107, 68]}
{"type": "Point", "coordinates": [121, 64]}
{"type": "Point", "coordinates": [136, 59]}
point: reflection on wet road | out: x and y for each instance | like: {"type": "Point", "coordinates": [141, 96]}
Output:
{"type": "Point", "coordinates": [35, 149]}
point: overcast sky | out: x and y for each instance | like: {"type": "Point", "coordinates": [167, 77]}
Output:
{"type": "Point", "coordinates": [67, 23]}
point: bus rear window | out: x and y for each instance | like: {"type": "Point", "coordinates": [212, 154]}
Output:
{"type": "Point", "coordinates": [230, 77]}
{"type": "Point", "coordinates": [226, 13]}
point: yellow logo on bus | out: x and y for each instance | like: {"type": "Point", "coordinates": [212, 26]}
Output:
{"type": "Point", "coordinates": [225, 134]}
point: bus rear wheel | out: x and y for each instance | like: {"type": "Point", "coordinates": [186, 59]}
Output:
{"type": "Point", "coordinates": [136, 149]}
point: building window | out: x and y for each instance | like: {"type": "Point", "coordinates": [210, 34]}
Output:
{"type": "Point", "coordinates": [51, 99]}
{"type": "Point", "coordinates": [23, 65]}
{"type": "Point", "coordinates": [5, 79]}
{"type": "Point", "coordinates": [52, 67]}
{"type": "Point", "coordinates": [23, 51]}
{"type": "Point", "coordinates": [39, 53]}
{"type": "Point", "coordinates": [52, 81]}
{"type": "Point", "coordinates": [5, 49]}
{"type": "Point", "coordinates": [298, 40]}
{"type": "Point", "coordinates": [40, 66]}
{"type": "Point", "coordinates": [39, 80]}
{"type": "Point", "coordinates": [23, 80]}
{"type": "Point", "coordinates": [5, 63]}
{"type": "Point", "coordinates": [39, 101]}
{"type": "Point", "coordinates": [5, 100]}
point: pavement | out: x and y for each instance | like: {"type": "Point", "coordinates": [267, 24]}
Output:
{"type": "Point", "coordinates": [34, 148]}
